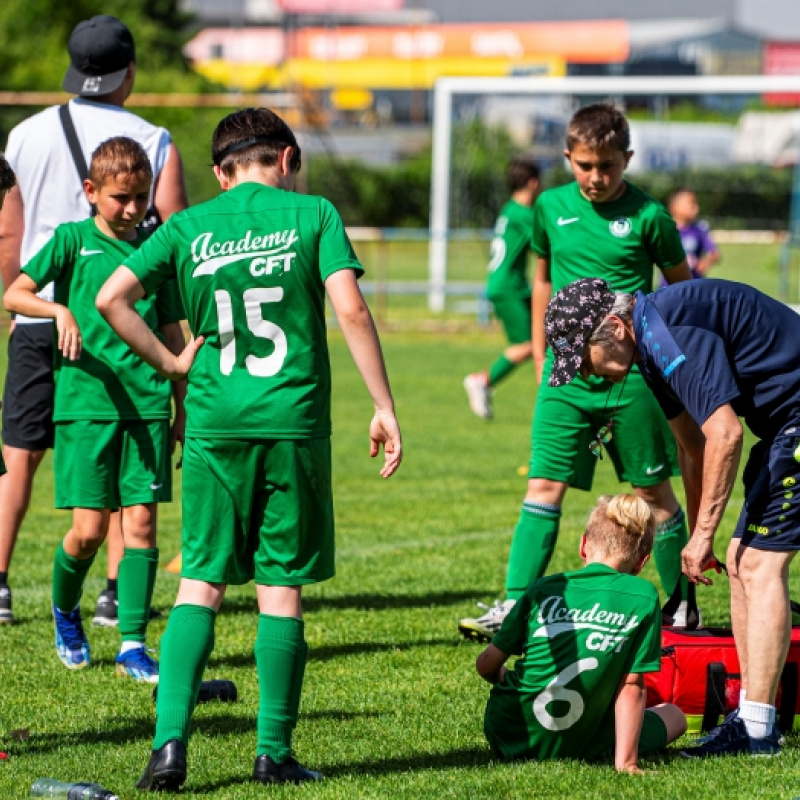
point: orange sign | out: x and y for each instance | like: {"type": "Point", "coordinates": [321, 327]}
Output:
{"type": "Point", "coordinates": [596, 41]}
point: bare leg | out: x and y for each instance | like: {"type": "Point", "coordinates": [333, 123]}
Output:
{"type": "Point", "coordinates": [115, 546]}
{"type": "Point", "coordinates": [738, 607]}
{"type": "Point", "coordinates": [662, 499]}
{"type": "Point", "coordinates": [763, 575]}
{"type": "Point", "coordinates": [15, 496]}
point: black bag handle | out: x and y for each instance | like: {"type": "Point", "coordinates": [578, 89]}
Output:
{"type": "Point", "coordinates": [74, 145]}
{"type": "Point", "coordinates": [714, 708]}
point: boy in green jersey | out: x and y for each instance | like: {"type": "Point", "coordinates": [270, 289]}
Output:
{"type": "Point", "coordinates": [253, 266]}
{"type": "Point", "coordinates": [508, 288]}
{"type": "Point", "coordinates": [112, 411]}
{"type": "Point", "coordinates": [586, 638]}
{"type": "Point", "coordinates": [597, 226]}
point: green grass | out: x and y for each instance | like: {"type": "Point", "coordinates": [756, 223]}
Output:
{"type": "Point", "coordinates": [392, 706]}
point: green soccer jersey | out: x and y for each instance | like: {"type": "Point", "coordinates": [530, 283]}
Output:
{"type": "Point", "coordinates": [618, 241]}
{"type": "Point", "coordinates": [108, 381]}
{"type": "Point", "coordinates": [251, 265]}
{"type": "Point", "coordinates": [579, 633]}
{"type": "Point", "coordinates": [508, 266]}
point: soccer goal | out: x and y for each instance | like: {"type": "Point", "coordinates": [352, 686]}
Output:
{"type": "Point", "coordinates": [505, 100]}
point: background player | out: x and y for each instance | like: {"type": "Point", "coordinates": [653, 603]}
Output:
{"type": "Point", "coordinates": [541, 708]}
{"type": "Point", "coordinates": [701, 251]}
{"type": "Point", "coordinates": [253, 266]}
{"type": "Point", "coordinates": [102, 73]}
{"type": "Point", "coordinates": [508, 287]}
{"type": "Point", "coordinates": [599, 225]}
{"type": "Point", "coordinates": [112, 412]}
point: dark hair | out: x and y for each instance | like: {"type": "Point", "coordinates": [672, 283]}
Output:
{"type": "Point", "coordinates": [521, 170]}
{"type": "Point", "coordinates": [599, 125]}
{"type": "Point", "coordinates": [119, 156]}
{"type": "Point", "coordinates": [7, 177]}
{"type": "Point", "coordinates": [252, 136]}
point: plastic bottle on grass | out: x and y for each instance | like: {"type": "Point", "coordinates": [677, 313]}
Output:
{"type": "Point", "coordinates": [49, 787]}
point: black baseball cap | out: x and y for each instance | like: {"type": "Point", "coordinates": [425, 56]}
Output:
{"type": "Point", "coordinates": [100, 48]}
{"type": "Point", "coordinates": [571, 318]}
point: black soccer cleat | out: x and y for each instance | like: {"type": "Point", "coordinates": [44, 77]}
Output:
{"type": "Point", "coordinates": [288, 771]}
{"type": "Point", "coordinates": [166, 769]}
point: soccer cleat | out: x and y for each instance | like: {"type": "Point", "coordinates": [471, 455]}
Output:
{"type": "Point", "coordinates": [72, 646]}
{"type": "Point", "coordinates": [137, 664]}
{"type": "Point", "coordinates": [775, 734]}
{"type": "Point", "coordinates": [288, 771]}
{"type": "Point", "coordinates": [166, 769]}
{"type": "Point", "coordinates": [679, 618]}
{"type": "Point", "coordinates": [731, 739]}
{"type": "Point", "coordinates": [479, 394]}
{"type": "Point", "coordinates": [6, 617]}
{"type": "Point", "coordinates": [106, 613]}
{"type": "Point", "coordinates": [483, 628]}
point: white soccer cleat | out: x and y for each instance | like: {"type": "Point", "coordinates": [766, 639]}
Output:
{"type": "Point", "coordinates": [479, 394]}
{"type": "Point", "coordinates": [483, 628]}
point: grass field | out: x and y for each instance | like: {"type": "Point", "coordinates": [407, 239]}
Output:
{"type": "Point", "coordinates": [392, 706]}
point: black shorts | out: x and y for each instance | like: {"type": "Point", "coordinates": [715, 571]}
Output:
{"type": "Point", "coordinates": [770, 518]}
{"type": "Point", "coordinates": [29, 390]}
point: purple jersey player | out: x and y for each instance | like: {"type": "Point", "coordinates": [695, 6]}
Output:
{"type": "Point", "coordinates": [701, 252]}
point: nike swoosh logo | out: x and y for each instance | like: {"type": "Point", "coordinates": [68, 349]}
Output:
{"type": "Point", "coordinates": [562, 221]}
{"type": "Point", "coordinates": [85, 252]}
{"type": "Point", "coordinates": [654, 470]}
{"type": "Point", "coordinates": [155, 486]}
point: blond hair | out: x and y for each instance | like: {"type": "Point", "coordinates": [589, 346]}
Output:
{"type": "Point", "coordinates": [623, 527]}
{"type": "Point", "coordinates": [119, 158]}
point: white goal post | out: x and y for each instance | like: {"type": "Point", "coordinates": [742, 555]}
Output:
{"type": "Point", "coordinates": [603, 86]}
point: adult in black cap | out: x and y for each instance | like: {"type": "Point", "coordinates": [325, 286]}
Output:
{"type": "Point", "coordinates": [711, 352]}
{"type": "Point", "coordinates": [49, 191]}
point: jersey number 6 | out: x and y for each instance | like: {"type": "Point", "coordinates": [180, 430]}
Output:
{"type": "Point", "coordinates": [557, 691]}
{"type": "Point", "coordinates": [260, 367]}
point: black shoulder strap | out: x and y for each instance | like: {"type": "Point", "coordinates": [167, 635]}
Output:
{"type": "Point", "coordinates": [74, 145]}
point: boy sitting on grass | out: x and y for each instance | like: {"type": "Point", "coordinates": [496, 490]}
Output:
{"type": "Point", "coordinates": [586, 639]}
{"type": "Point", "coordinates": [112, 411]}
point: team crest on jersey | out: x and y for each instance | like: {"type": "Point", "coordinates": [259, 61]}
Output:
{"type": "Point", "coordinates": [620, 227]}
{"type": "Point", "coordinates": [266, 253]}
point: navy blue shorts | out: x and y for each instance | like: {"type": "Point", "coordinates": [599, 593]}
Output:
{"type": "Point", "coordinates": [770, 518]}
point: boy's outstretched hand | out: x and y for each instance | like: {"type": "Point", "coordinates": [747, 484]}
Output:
{"type": "Point", "coordinates": [183, 362]}
{"type": "Point", "coordinates": [384, 430]}
{"type": "Point", "coordinates": [70, 342]}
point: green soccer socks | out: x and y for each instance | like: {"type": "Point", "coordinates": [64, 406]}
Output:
{"type": "Point", "coordinates": [671, 538]}
{"type": "Point", "coordinates": [185, 647]}
{"type": "Point", "coordinates": [500, 370]}
{"type": "Point", "coordinates": [281, 653]}
{"type": "Point", "coordinates": [68, 576]}
{"type": "Point", "coordinates": [532, 546]}
{"type": "Point", "coordinates": [137, 576]}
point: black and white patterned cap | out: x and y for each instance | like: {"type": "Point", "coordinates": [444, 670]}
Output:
{"type": "Point", "coordinates": [571, 318]}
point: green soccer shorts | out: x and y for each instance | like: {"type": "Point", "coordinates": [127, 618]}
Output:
{"type": "Point", "coordinates": [652, 738]}
{"type": "Point", "coordinates": [112, 463]}
{"type": "Point", "coordinates": [514, 312]}
{"type": "Point", "coordinates": [567, 418]}
{"type": "Point", "coordinates": [257, 509]}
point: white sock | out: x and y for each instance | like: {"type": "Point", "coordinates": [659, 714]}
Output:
{"type": "Point", "coordinates": [758, 718]}
{"type": "Point", "coordinates": [126, 646]}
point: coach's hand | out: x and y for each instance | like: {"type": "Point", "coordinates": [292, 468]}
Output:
{"type": "Point", "coordinates": [697, 557]}
{"type": "Point", "coordinates": [384, 430]}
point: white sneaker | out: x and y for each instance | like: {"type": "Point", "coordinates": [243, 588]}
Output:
{"type": "Point", "coordinates": [483, 628]}
{"type": "Point", "coordinates": [679, 618]}
{"type": "Point", "coordinates": [479, 394]}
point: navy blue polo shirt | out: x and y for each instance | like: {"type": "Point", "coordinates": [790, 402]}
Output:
{"type": "Point", "coordinates": [711, 342]}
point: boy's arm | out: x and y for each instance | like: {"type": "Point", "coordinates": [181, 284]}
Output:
{"type": "Point", "coordinates": [12, 225]}
{"type": "Point", "coordinates": [116, 301]}
{"type": "Point", "coordinates": [362, 339]}
{"type": "Point", "coordinates": [170, 195]}
{"type": "Point", "coordinates": [540, 298]}
{"type": "Point", "coordinates": [175, 343]}
{"type": "Point", "coordinates": [629, 706]}
{"type": "Point", "coordinates": [680, 272]}
{"type": "Point", "coordinates": [21, 298]}
{"type": "Point", "coordinates": [490, 664]}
